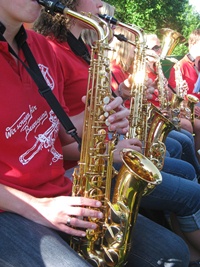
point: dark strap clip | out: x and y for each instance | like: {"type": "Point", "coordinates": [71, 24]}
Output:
{"type": "Point", "coordinates": [44, 91]}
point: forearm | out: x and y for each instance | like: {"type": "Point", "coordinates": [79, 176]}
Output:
{"type": "Point", "coordinates": [78, 124]}
{"type": "Point", "coordinates": [123, 91]}
{"type": "Point", "coordinates": [71, 152]}
{"type": "Point", "coordinates": [17, 201]}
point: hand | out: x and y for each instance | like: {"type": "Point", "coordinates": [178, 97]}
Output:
{"type": "Point", "coordinates": [150, 88]}
{"type": "Point", "coordinates": [56, 212]}
{"type": "Point", "coordinates": [197, 62]}
{"type": "Point", "coordinates": [197, 111]}
{"type": "Point", "coordinates": [124, 88]}
{"type": "Point", "coordinates": [132, 143]}
{"type": "Point", "coordinates": [117, 121]}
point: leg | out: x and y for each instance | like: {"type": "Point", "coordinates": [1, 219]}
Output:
{"type": "Point", "coordinates": [186, 125]}
{"type": "Point", "coordinates": [187, 141]}
{"type": "Point", "coordinates": [179, 168]}
{"type": "Point", "coordinates": [27, 244]}
{"type": "Point", "coordinates": [153, 245]}
{"type": "Point", "coordinates": [181, 197]}
{"type": "Point", "coordinates": [197, 137]}
{"type": "Point", "coordinates": [173, 147]}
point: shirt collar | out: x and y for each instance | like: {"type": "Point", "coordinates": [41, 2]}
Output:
{"type": "Point", "coordinates": [2, 28]}
{"type": "Point", "coordinates": [20, 37]}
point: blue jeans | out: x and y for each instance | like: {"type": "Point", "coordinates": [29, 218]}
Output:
{"type": "Point", "coordinates": [24, 243]}
{"type": "Point", "coordinates": [179, 168]}
{"type": "Point", "coordinates": [177, 195]}
{"type": "Point", "coordinates": [186, 139]}
{"type": "Point", "coordinates": [171, 165]}
{"type": "Point", "coordinates": [173, 147]}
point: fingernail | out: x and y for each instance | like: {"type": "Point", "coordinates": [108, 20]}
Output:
{"type": "Point", "coordinates": [100, 215]}
{"type": "Point", "coordinates": [98, 204]}
{"type": "Point", "coordinates": [106, 108]}
{"type": "Point", "coordinates": [111, 119]}
{"type": "Point", "coordinates": [84, 234]}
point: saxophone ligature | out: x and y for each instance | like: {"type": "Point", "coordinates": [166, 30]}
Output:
{"type": "Point", "coordinates": [109, 243]}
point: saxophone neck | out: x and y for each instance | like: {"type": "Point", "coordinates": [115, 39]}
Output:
{"type": "Point", "coordinates": [92, 22]}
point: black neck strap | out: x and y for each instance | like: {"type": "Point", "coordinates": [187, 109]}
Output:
{"type": "Point", "coordinates": [78, 47]}
{"type": "Point", "coordinates": [44, 89]}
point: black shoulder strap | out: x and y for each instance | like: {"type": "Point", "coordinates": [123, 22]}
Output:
{"type": "Point", "coordinates": [45, 90]}
{"type": "Point", "coordinates": [78, 47]}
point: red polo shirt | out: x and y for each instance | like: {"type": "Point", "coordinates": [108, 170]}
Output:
{"type": "Point", "coordinates": [31, 153]}
{"type": "Point", "coordinates": [188, 74]}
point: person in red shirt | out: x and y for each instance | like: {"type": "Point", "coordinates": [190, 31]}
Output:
{"type": "Point", "coordinates": [35, 197]}
{"type": "Point", "coordinates": [183, 136]}
{"type": "Point", "coordinates": [62, 30]}
{"type": "Point", "coordinates": [74, 54]}
{"type": "Point", "coordinates": [190, 71]}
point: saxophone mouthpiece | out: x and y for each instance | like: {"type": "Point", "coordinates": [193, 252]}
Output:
{"type": "Point", "coordinates": [52, 6]}
{"type": "Point", "coordinates": [108, 18]}
{"type": "Point", "coordinates": [121, 37]}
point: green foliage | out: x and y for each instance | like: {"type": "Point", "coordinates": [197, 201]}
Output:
{"type": "Point", "coordinates": [152, 15]}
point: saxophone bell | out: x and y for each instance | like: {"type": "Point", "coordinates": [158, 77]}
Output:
{"type": "Point", "coordinates": [137, 177]}
{"type": "Point", "coordinates": [170, 39]}
{"type": "Point", "coordinates": [191, 102]}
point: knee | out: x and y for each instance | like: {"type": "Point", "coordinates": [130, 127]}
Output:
{"type": "Point", "coordinates": [186, 124]}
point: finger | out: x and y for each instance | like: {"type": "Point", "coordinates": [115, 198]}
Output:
{"type": "Point", "coordinates": [117, 125]}
{"type": "Point", "coordinates": [150, 90]}
{"type": "Point", "coordinates": [135, 142]}
{"type": "Point", "coordinates": [83, 201]}
{"type": "Point", "coordinates": [120, 115]}
{"type": "Point", "coordinates": [78, 230]}
{"type": "Point", "coordinates": [83, 212]}
{"type": "Point", "coordinates": [114, 104]}
{"type": "Point", "coordinates": [73, 231]}
{"type": "Point", "coordinates": [80, 223]}
{"type": "Point", "coordinates": [122, 130]}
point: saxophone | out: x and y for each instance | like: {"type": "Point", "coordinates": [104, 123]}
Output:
{"type": "Point", "coordinates": [109, 243]}
{"type": "Point", "coordinates": [146, 121]}
{"type": "Point", "coordinates": [182, 104]}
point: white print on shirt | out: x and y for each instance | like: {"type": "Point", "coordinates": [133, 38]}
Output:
{"type": "Point", "coordinates": [45, 140]}
{"type": "Point", "coordinates": [22, 123]}
{"type": "Point", "coordinates": [45, 72]}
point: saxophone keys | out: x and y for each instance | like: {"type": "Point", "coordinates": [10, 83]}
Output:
{"type": "Point", "coordinates": [106, 100]}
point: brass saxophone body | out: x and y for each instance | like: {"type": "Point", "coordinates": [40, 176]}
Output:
{"type": "Point", "coordinates": [109, 243]}
{"type": "Point", "coordinates": [146, 121]}
{"type": "Point", "coordinates": [159, 122]}
{"type": "Point", "coordinates": [182, 104]}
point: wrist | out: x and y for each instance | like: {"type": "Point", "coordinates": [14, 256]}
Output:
{"type": "Point", "coordinates": [123, 91]}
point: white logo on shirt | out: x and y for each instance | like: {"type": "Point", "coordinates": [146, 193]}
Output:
{"type": "Point", "coordinates": [45, 140]}
{"type": "Point", "coordinates": [48, 78]}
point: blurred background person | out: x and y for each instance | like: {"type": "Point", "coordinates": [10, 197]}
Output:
{"type": "Point", "coordinates": [189, 72]}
